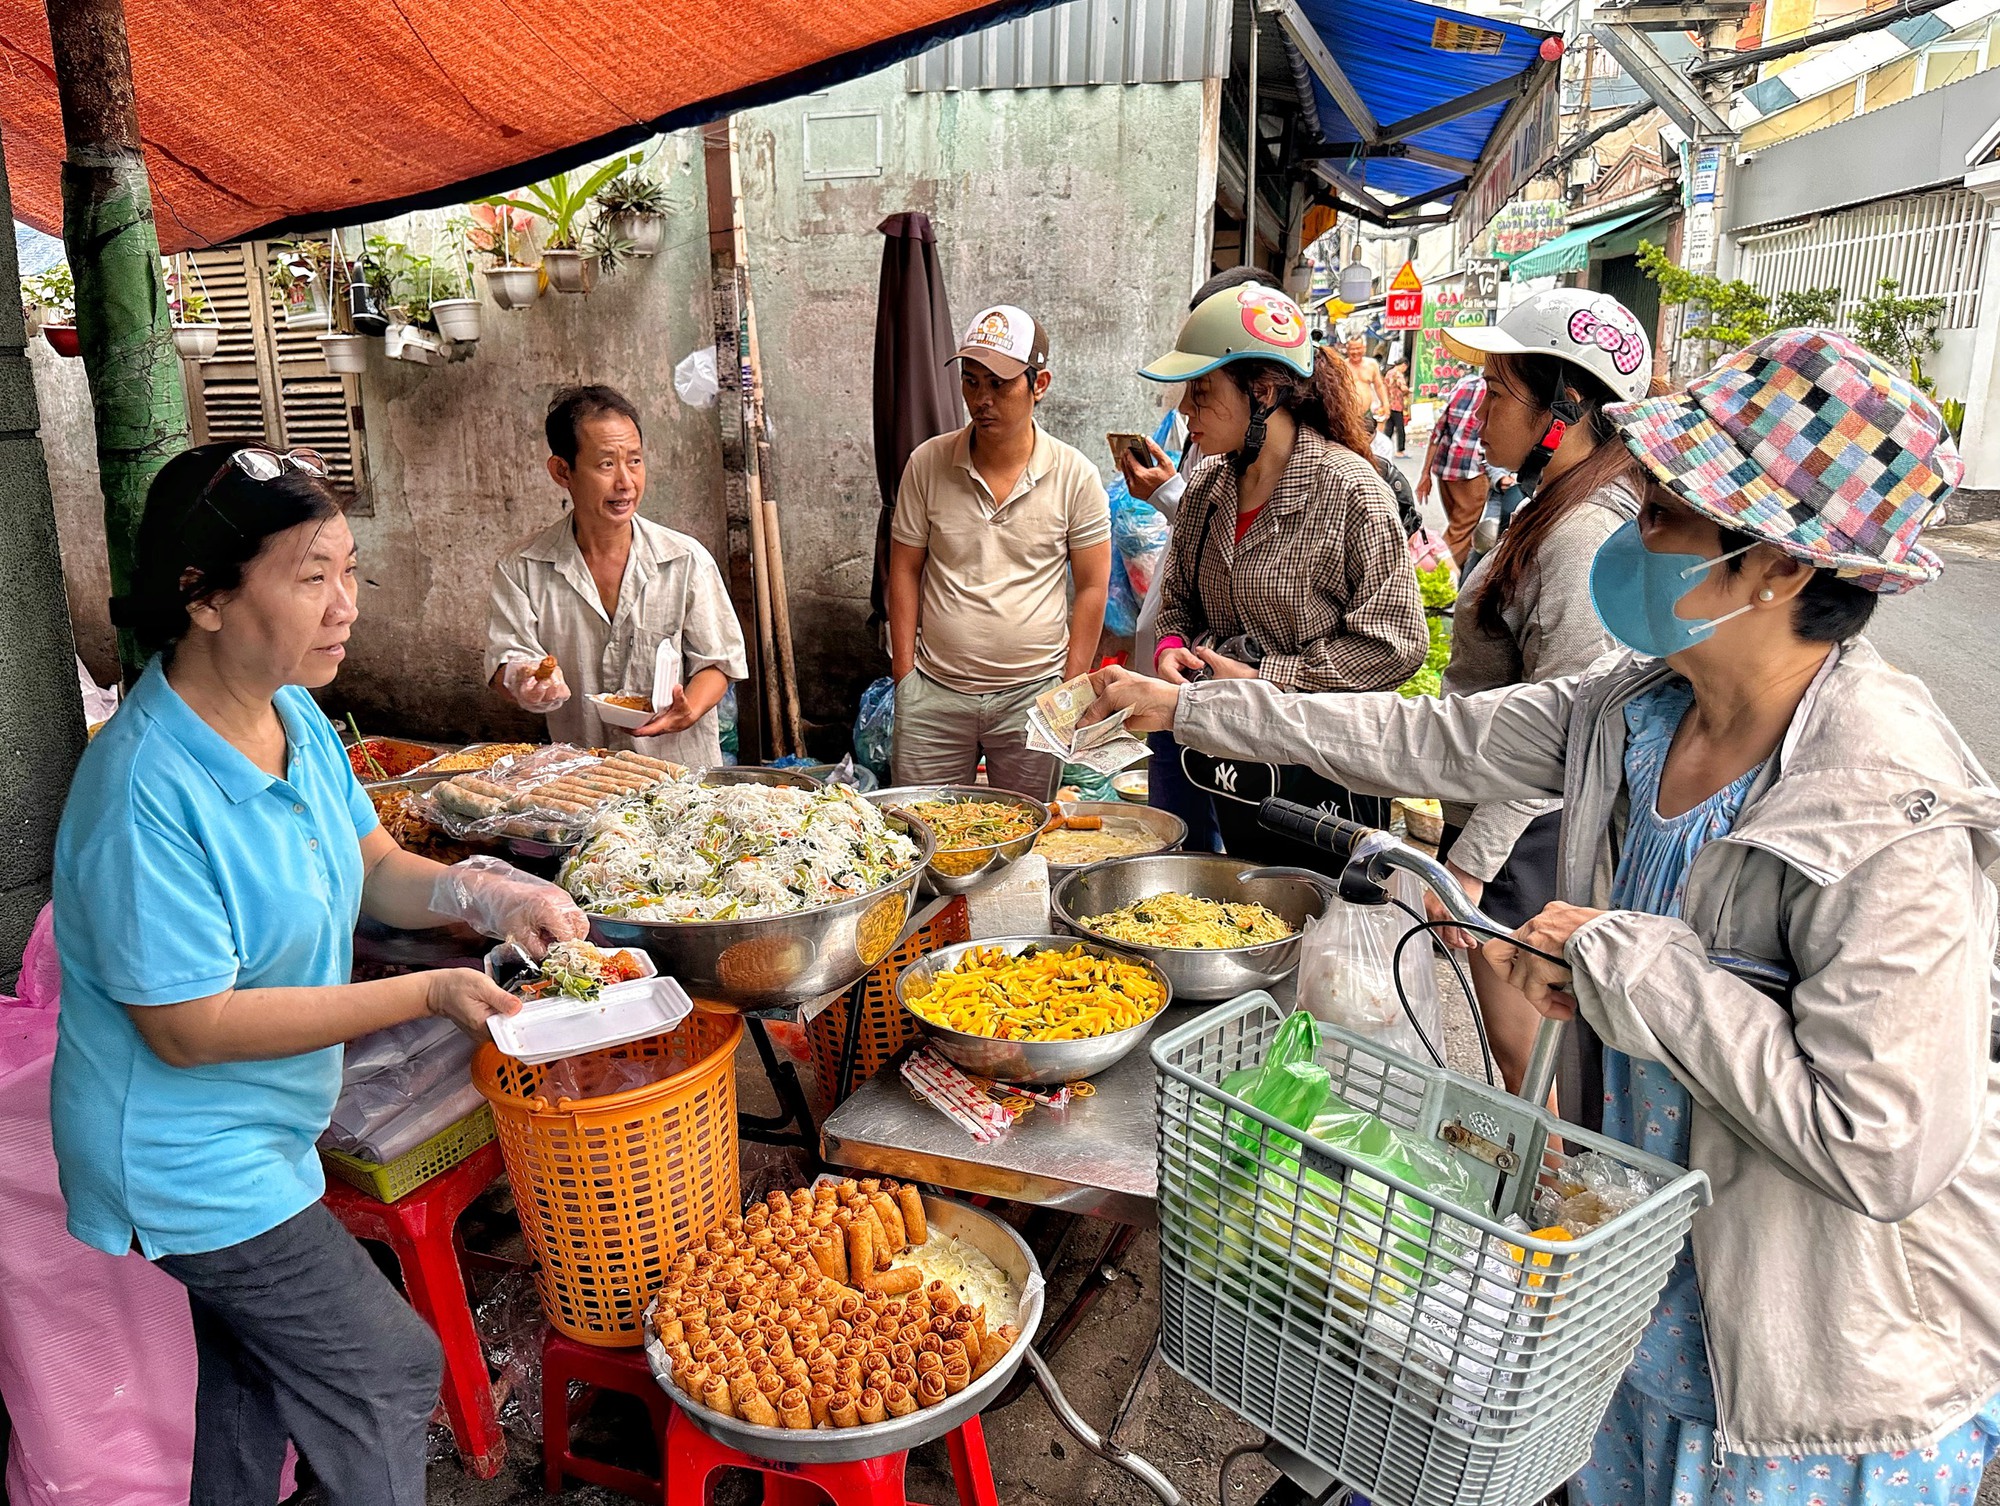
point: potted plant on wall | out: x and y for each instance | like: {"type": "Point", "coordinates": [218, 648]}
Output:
{"type": "Point", "coordinates": [499, 228]}
{"type": "Point", "coordinates": [560, 203]}
{"type": "Point", "coordinates": [53, 294]}
{"type": "Point", "coordinates": [196, 334]}
{"type": "Point", "coordinates": [298, 275]}
{"type": "Point", "coordinates": [634, 207]}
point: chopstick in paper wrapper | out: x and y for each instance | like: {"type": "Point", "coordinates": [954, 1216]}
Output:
{"type": "Point", "coordinates": [956, 1096]}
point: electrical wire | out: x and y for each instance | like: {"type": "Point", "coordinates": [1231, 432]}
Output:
{"type": "Point", "coordinates": [1403, 994]}
{"type": "Point", "coordinates": [1478, 1022]}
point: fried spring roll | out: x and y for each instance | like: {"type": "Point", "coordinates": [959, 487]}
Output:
{"type": "Point", "coordinates": [884, 1250]}
{"type": "Point", "coordinates": [897, 1400]}
{"type": "Point", "coordinates": [910, 1203]}
{"type": "Point", "coordinates": [742, 1385]}
{"type": "Point", "coordinates": [758, 1409]}
{"type": "Point", "coordinates": [942, 1298]}
{"type": "Point", "coordinates": [861, 1247]}
{"type": "Point", "coordinates": [820, 1401]}
{"type": "Point", "coordinates": [892, 1220]}
{"type": "Point", "coordinates": [894, 1281]}
{"type": "Point", "coordinates": [977, 1318]}
{"type": "Point", "coordinates": [845, 1410]}
{"type": "Point", "coordinates": [715, 1396]}
{"type": "Point", "coordinates": [992, 1352]}
{"type": "Point", "coordinates": [670, 1329]}
{"type": "Point", "coordinates": [794, 1411]}
{"type": "Point", "coordinates": [904, 1375]}
{"type": "Point", "coordinates": [930, 1387]}
{"type": "Point", "coordinates": [871, 1407]}
{"type": "Point", "coordinates": [957, 1374]}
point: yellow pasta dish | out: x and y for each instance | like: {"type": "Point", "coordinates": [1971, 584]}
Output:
{"type": "Point", "coordinates": [1182, 920]}
{"type": "Point", "coordinates": [964, 824]}
{"type": "Point", "coordinates": [1039, 996]}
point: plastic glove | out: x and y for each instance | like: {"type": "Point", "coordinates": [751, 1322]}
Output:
{"type": "Point", "coordinates": [497, 899]}
{"type": "Point", "coordinates": [534, 684]}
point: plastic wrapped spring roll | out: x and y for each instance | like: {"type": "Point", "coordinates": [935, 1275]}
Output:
{"type": "Point", "coordinates": [910, 1203]}
{"type": "Point", "coordinates": [897, 1400]}
{"type": "Point", "coordinates": [871, 1407]}
{"type": "Point", "coordinates": [845, 1411]}
{"type": "Point", "coordinates": [794, 1411]}
{"type": "Point", "coordinates": [931, 1389]}
{"type": "Point", "coordinates": [892, 1220]}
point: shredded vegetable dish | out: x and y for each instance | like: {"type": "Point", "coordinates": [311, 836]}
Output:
{"type": "Point", "coordinates": [1073, 849]}
{"type": "Point", "coordinates": [691, 851]}
{"type": "Point", "coordinates": [964, 824]}
{"type": "Point", "coordinates": [578, 970]}
{"type": "Point", "coordinates": [1039, 996]}
{"type": "Point", "coordinates": [1182, 920]}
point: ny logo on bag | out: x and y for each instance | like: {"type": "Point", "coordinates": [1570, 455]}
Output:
{"type": "Point", "coordinates": [1225, 778]}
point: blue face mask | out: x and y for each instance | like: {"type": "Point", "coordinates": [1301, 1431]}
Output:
{"type": "Point", "coordinates": [1636, 591]}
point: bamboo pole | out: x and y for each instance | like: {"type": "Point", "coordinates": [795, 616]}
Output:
{"type": "Point", "coordinates": [774, 550]}
{"type": "Point", "coordinates": [123, 320]}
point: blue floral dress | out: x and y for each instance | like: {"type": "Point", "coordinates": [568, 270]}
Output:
{"type": "Point", "coordinates": [1657, 1445]}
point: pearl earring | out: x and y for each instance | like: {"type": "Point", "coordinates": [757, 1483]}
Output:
{"type": "Point", "coordinates": [1766, 594]}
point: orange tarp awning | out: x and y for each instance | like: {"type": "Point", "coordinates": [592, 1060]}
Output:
{"type": "Point", "coordinates": [260, 117]}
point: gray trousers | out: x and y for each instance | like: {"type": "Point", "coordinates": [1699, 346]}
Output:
{"type": "Point", "coordinates": [299, 1336]}
{"type": "Point", "coordinates": [941, 733]}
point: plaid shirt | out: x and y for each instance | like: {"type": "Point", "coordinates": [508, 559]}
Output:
{"type": "Point", "coordinates": [1461, 453]}
{"type": "Point", "coordinates": [1322, 579]}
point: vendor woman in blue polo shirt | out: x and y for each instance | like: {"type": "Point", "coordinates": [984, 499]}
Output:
{"type": "Point", "coordinates": [215, 852]}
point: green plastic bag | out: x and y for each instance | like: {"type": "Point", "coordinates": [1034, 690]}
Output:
{"type": "Point", "coordinates": [1288, 1084]}
{"type": "Point", "coordinates": [1410, 1227]}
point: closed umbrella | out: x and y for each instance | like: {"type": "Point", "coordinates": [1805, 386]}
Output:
{"type": "Point", "coordinates": [916, 396]}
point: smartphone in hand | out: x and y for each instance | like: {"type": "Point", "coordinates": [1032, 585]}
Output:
{"type": "Point", "coordinates": [1129, 444]}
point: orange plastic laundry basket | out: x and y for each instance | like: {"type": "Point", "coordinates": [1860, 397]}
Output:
{"type": "Point", "coordinates": [609, 1189]}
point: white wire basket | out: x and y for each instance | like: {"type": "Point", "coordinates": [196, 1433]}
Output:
{"type": "Point", "coordinates": [1421, 1353]}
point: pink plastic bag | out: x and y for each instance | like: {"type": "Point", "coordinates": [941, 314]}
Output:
{"type": "Point", "coordinates": [97, 1360]}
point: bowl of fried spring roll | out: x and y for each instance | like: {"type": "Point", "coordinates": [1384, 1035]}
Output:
{"type": "Point", "coordinates": [805, 1330]}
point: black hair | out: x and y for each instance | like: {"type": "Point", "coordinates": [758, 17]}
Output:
{"type": "Point", "coordinates": [1221, 282]}
{"type": "Point", "coordinates": [205, 521]}
{"type": "Point", "coordinates": [576, 405]}
{"type": "Point", "coordinates": [1828, 610]}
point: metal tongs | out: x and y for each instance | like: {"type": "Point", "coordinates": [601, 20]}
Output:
{"type": "Point", "coordinates": [1369, 854]}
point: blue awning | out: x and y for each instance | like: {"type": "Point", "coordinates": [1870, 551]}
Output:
{"type": "Point", "coordinates": [1405, 59]}
{"type": "Point", "coordinates": [1571, 252]}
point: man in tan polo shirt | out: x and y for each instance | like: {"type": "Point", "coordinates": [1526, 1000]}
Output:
{"type": "Point", "coordinates": [999, 561]}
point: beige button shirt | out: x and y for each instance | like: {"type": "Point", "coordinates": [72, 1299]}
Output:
{"type": "Point", "coordinates": [672, 606]}
{"type": "Point", "coordinates": [994, 610]}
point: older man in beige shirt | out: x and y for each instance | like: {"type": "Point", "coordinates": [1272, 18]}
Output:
{"type": "Point", "coordinates": [999, 564]}
{"type": "Point", "coordinates": [621, 604]}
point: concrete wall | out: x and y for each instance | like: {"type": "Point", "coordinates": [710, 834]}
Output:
{"type": "Point", "coordinates": [1082, 205]}
{"type": "Point", "coordinates": [1086, 205]}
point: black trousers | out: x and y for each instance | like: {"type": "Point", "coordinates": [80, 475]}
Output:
{"type": "Point", "coordinates": [299, 1336]}
{"type": "Point", "coordinates": [1396, 427]}
{"type": "Point", "coordinates": [1239, 786]}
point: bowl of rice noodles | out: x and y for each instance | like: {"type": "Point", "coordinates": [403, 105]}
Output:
{"type": "Point", "coordinates": [979, 830]}
{"type": "Point", "coordinates": [1216, 926]}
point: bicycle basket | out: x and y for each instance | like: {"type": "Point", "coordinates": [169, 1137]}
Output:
{"type": "Point", "coordinates": [1421, 1353]}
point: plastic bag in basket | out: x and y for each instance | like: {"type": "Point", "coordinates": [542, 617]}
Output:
{"type": "Point", "coordinates": [1405, 1224]}
{"type": "Point", "coordinates": [1346, 976]}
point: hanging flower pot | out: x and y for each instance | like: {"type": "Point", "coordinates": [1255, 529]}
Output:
{"type": "Point", "coordinates": [569, 271]}
{"type": "Point", "coordinates": [197, 342]}
{"type": "Point", "coordinates": [457, 318]}
{"type": "Point", "coordinates": [645, 232]}
{"type": "Point", "coordinates": [346, 355]}
{"type": "Point", "coordinates": [513, 287]}
{"type": "Point", "coordinates": [62, 339]}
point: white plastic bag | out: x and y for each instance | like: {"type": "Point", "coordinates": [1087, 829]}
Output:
{"type": "Point", "coordinates": [1344, 972]}
{"type": "Point", "coordinates": [694, 378]}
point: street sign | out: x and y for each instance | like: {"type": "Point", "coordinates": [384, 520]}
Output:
{"type": "Point", "coordinates": [1405, 303]}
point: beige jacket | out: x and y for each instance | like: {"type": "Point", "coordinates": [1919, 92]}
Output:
{"type": "Point", "coordinates": [1850, 1264]}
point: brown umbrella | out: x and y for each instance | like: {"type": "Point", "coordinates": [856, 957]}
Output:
{"type": "Point", "coordinates": [916, 396]}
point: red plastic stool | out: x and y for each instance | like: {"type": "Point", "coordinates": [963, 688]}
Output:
{"type": "Point", "coordinates": [422, 1228]}
{"type": "Point", "coordinates": [622, 1370]}
{"type": "Point", "coordinates": [693, 1456]}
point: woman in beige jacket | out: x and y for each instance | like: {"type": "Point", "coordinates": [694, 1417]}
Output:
{"type": "Point", "coordinates": [1753, 778]}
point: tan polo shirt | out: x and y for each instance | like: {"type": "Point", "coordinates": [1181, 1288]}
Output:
{"type": "Point", "coordinates": [994, 612]}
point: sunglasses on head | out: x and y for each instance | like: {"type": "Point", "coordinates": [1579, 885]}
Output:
{"type": "Point", "coordinates": [263, 465]}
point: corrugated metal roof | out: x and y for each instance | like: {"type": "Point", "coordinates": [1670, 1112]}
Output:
{"type": "Point", "coordinates": [1085, 42]}
{"type": "Point", "coordinates": [1404, 57]}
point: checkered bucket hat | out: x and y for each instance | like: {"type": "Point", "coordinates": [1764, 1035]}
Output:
{"type": "Point", "coordinates": [1808, 442]}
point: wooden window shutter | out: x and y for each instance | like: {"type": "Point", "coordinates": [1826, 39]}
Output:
{"type": "Point", "coordinates": [268, 382]}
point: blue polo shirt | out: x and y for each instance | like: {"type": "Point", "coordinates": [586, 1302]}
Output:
{"type": "Point", "coordinates": [182, 869]}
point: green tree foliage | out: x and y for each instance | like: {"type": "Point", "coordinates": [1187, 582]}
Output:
{"type": "Point", "coordinates": [1733, 313]}
{"type": "Point", "coordinates": [1902, 331]}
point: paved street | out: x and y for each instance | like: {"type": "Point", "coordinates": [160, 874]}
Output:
{"type": "Point", "coordinates": [1948, 634]}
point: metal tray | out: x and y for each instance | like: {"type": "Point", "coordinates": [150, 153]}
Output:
{"type": "Point", "coordinates": [985, 1233]}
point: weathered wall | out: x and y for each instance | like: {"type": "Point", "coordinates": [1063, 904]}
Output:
{"type": "Point", "coordinates": [1085, 205]}
{"type": "Point", "coordinates": [1082, 205]}
{"type": "Point", "coordinates": [41, 715]}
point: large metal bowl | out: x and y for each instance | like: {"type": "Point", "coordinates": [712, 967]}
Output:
{"type": "Point", "coordinates": [992, 1238]}
{"type": "Point", "coordinates": [1038, 1063]}
{"type": "Point", "coordinates": [1121, 817]}
{"type": "Point", "coordinates": [779, 779]}
{"type": "Point", "coordinates": [965, 868]}
{"type": "Point", "coordinates": [774, 961]}
{"type": "Point", "coordinates": [1297, 894]}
